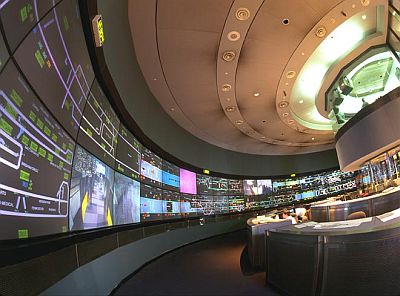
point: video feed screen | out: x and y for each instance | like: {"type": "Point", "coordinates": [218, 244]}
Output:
{"type": "Point", "coordinates": [171, 204]}
{"type": "Point", "coordinates": [151, 203]}
{"type": "Point", "coordinates": [264, 187]}
{"type": "Point", "coordinates": [150, 168]}
{"type": "Point", "coordinates": [127, 158]}
{"type": "Point", "coordinates": [237, 203]}
{"type": "Point", "coordinates": [235, 187]}
{"type": "Point", "coordinates": [206, 205]}
{"type": "Point", "coordinates": [189, 205]}
{"type": "Point", "coordinates": [170, 176]}
{"type": "Point", "coordinates": [204, 184]}
{"type": "Point", "coordinates": [187, 181]}
{"type": "Point", "coordinates": [55, 61]}
{"type": "Point", "coordinates": [256, 201]}
{"type": "Point", "coordinates": [91, 198]}
{"type": "Point", "coordinates": [99, 126]}
{"type": "Point", "coordinates": [3, 53]}
{"type": "Point", "coordinates": [221, 204]}
{"type": "Point", "coordinates": [250, 187]}
{"type": "Point", "coordinates": [35, 163]}
{"type": "Point", "coordinates": [126, 200]}
{"type": "Point", "coordinates": [219, 186]}
{"type": "Point", "coordinates": [19, 17]}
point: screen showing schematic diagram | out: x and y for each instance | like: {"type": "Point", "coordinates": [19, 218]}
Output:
{"type": "Point", "coordinates": [150, 168]}
{"type": "Point", "coordinates": [55, 61]}
{"type": "Point", "coordinates": [35, 162]}
{"type": "Point", "coordinates": [127, 159]}
{"type": "Point", "coordinates": [171, 204]}
{"type": "Point", "coordinates": [151, 203]}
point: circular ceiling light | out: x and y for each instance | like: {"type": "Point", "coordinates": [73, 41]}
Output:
{"type": "Point", "coordinates": [239, 122]}
{"type": "Point", "coordinates": [313, 138]}
{"type": "Point", "coordinates": [230, 108]}
{"type": "Point", "coordinates": [364, 2]}
{"type": "Point", "coordinates": [262, 138]}
{"type": "Point", "coordinates": [290, 74]}
{"type": "Point", "coordinates": [172, 109]}
{"type": "Point", "coordinates": [256, 94]}
{"type": "Point", "coordinates": [285, 114]}
{"type": "Point", "coordinates": [285, 21]}
{"type": "Point", "coordinates": [242, 14]}
{"type": "Point", "coordinates": [364, 17]}
{"type": "Point", "coordinates": [228, 99]}
{"type": "Point", "coordinates": [320, 32]}
{"type": "Point", "coordinates": [283, 104]}
{"type": "Point", "coordinates": [290, 121]}
{"type": "Point", "coordinates": [228, 55]}
{"type": "Point", "coordinates": [233, 36]}
{"type": "Point", "coordinates": [226, 87]}
{"type": "Point", "coordinates": [301, 101]}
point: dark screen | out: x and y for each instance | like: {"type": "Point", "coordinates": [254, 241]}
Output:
{"type": "Point", "coordinates": [99, 126]}
{"type": "Point", "coordinates": [128, 154]}
{"type": "Point", "coordinates": [204, 184]}
{"type": "Point", "coordinates": [91, 199]}
{"type": "Point", "coordinates": [151, 203]}
{"type": "Point", "coordinates": [60, 75]}
{"type": "Point", "coordinates": [171, 204]}
{"type": "Point", "coordinates": [35, 162]}
{"type": "Point", "coordinates": [151, 168]}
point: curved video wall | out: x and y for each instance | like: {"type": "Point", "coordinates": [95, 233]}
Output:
{"type": "Point", "coordinates": [68, 163]}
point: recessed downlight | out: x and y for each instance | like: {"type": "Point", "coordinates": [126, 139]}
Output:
{"type": "Point", "coordinates": [262, 138]}
{"type": "Point", "coordinates": [256, 94]}
{"type": "Point", "coordinates": [320, 32]}
{"type": "Point", "coordinates": [239, 122]}
{"type": "Point", "coordinates": [230, 108]}
{"type": "Point", "coordinates": [285, 114]}
{"type": "Point", "coordinates": [283, 104]}
{"type": "Point", "coordinates": [290, 74]}
{"type": "Point", "coordinates": [172, 109]}
{"type": "Point", "coordinates": [264, 121]}
{"type": "Point", "coordinates": [285, 21]}
{"type": "Point", "coordinates": [364, 2]}
{"type": "Point", "coordinates": [242, 14]}
{"type": "Point", "coordinates": [313, 138]}
{"type": "Point", "coordinates": [233, 36]}
{"type": "Point", "coordinates": [290, 121]}
{"type": "Point", "coordinates": [364, 17]}
{"type": "Point", "coordinates": [228, 55]}
{"type": "Point", "coordinates": [228, 99]}
{"type": "Point", "coordinates": [226, 87]}
{"type": "Point", "coordinates": [301, 101]}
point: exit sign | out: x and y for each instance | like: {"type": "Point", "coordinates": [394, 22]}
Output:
{"type": "Point", "coordinates": [98, 32]}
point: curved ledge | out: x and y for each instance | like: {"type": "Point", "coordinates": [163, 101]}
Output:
{"type": "Point", "coordinates": [372, 131]}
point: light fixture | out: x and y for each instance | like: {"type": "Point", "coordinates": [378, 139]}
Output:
{"type": "Point", "coordinates": [302, 53]}
{"type": "Point", "coordinates": [364, 17]}
{"type": "Point", "coordinates": [172, 109]}
{"type": "Point", "coordinates": [242, 14]}
{"type": "Point", "coordinates": [233, 36]}
{"type": "Point", "coordinates": [290, 74]}
{"type": "Point", "coordinates": [320, 32]}
{"type": "Point", "coordinates": [155, 78]}
{"type": "Point", "coordinates": [313, 138]}
{"type": "Point", "coordinates": [230, 108]}
{"type": "Point", "coordinates": [228, 99]}
{"type": "Point", "coordinates": [262, 138]}
{"type": "Point", "coordinates": [285, 114]}
{"type": "Point", "coordinates": [226, 87]}
{"type": "Point", "coordinates": [290, 121]}
{"type": "Point", "coordinates": [239, 122]}
{"type": "Point", "coordinates": [226, 73]}
{"type": "Point", "coordinates": [283, 104]}
{"type": "Point", "coordinates": [228, 55]}
{"type": "Point", "coordinates": [285, 21]}
{"type": "Point", "coordinates": [256, 94]}
{"type": "Point", "coordinates": [301, 101]}
{"type": "Point", "coordinates": [364, 2]}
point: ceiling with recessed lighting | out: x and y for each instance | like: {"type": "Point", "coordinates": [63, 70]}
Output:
{"type": "Point", "coordinates": [251, 75]}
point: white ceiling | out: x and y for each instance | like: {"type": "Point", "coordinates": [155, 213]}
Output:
{"type": "Point", "coordinates": [177, 43]}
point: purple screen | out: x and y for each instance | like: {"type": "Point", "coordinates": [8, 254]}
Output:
{"type": "Point", "coordinates": [188, 181]}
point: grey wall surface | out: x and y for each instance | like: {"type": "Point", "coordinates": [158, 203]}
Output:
{"type": "Point", "coordinates": [370, 136]}
{"type": "Point", "coordinates": [101, 276]}
{"type": "Point", "coordinates": [157, 125]}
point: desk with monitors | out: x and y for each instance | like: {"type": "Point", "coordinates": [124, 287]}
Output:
{"type": "Point", "coordinates": [355, 257]}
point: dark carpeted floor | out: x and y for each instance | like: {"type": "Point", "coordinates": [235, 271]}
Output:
{"type": "Point", "coordinates": [209, 267]}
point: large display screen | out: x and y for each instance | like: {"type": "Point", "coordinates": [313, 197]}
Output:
{"type": "Point", "coordinates": [190, 206]}
{"type": "Point", "coordinates": [127, 158]}
{"type": "Point", "coordinates": [204, 184]}
{"type": "Point", "coordinates": [264, 187]}
{"type": "Point", "coordinates": [35, 162]}
{"type": "Point", "coordinates": [91, 198]}
{"type": "Point", "coordinates": [187, 181]}
{"type": "Point", "coordinates": [151, 203]}
{"type": "Point", "coordinates": [219, 186]}
{"type": "Point", "coordinates": [151, 168]}
{"type": "Point", "coordinates": [235, 187]}
{"type": "Point", "coordinates": [250, 187]}
{"type": "Point", "coordinates": [170, 176]}
{"type": "Point", "coordinates": [206, 205]}
{"type": "Point", "coordinates": [237, 203]}
{"type": "Point", "coordinates": [99, 126]}
{"type": "Point", "coordinates": [126, 200]}
{"type": "Point", "coordinates": [221, 204]}
{"type": "Point", "coordinates": [54, 59]}
{"type": "Point", "coordinates": [19, 17]}
{"type": "Point", "coordinates": [171, 204]}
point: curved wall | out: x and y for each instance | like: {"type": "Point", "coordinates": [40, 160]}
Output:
{"type": "Point", "coordinates": [164, 132]}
